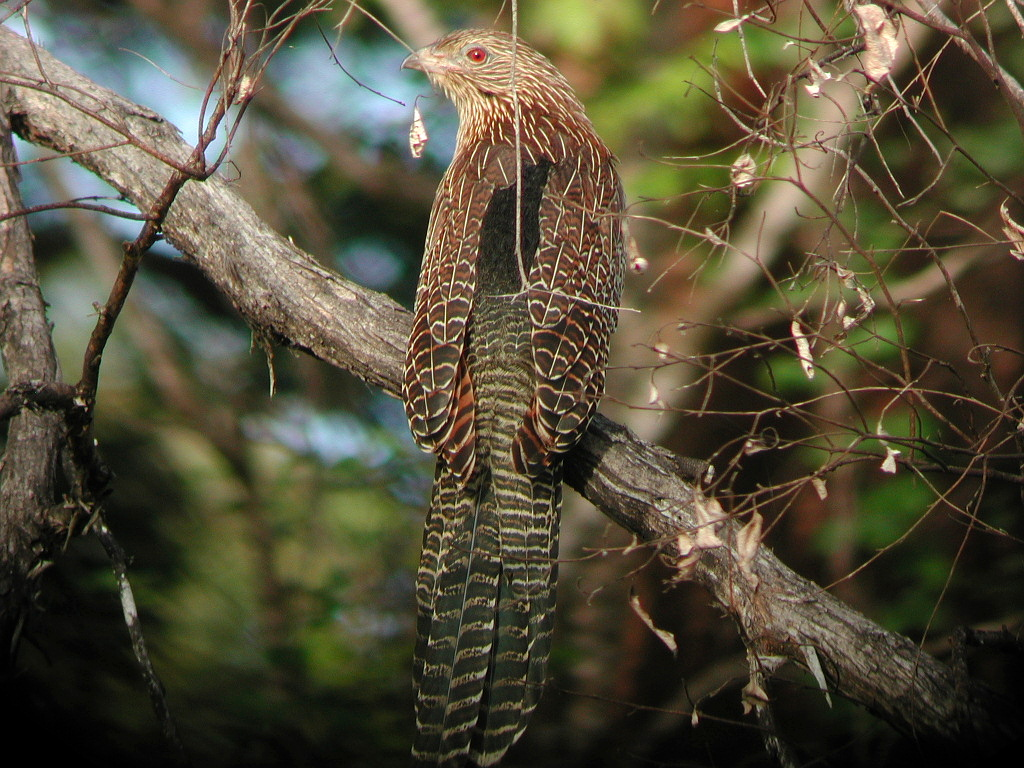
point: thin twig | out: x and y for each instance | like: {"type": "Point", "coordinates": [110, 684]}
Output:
{"type": "Point", "coordinates": [76, 204]}
{"type": "Point", "coordinates": [157, 692]}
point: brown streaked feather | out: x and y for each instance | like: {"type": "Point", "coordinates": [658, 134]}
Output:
{"type": "Point", "coordinates": [437, 392]}
{"type": "Point", "coordinates": [573, 296]}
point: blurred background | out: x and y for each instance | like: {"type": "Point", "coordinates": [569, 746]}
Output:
{"type": "Point", "coordinates": [274, 538]}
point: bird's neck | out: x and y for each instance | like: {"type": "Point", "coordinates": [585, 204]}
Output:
{"type": "Point", "coordinates": [549, 132]}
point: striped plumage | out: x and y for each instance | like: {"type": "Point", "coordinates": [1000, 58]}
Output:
{"type": "Point", "coordinates": [501, 379]}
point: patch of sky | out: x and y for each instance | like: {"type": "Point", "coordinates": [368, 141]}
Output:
{"type": "Point", "coordinates": [134, 60]}
{"type": "Point", "coordinates": [389, 413]}
{"type": "Point", "coordinates": [302, 152]}
{"type": "Point", "coordinates": [367, 623]}
{"type": "Point", "coordinates": [137, 62]}
{"type": "Point", "coordinates": [412, 488]}
{"type": "Point", "coordinates": [88, 188]}
{"type": "Point", "coordinates": [317, 86]}
{"type": "Point", "coordinates": [213, 342]}
{"type": "Point", "coordinates": [372, 262]}
{"type": "Point", "coordinates": [331, 437]}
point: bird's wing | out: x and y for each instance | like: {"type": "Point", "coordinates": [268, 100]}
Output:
{"type": "Point", "coordinates": [575, 282]}
{"type": "Point", "coordinates": [437, 389]}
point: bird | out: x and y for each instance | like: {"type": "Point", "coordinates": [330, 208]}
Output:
{"type": "Point", "coordinates": [516, 302]}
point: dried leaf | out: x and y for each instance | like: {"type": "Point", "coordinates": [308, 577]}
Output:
{"type": "Point", "coordinates": [246, 89]}
{"type": "Point", "coordinates": [637, 263]}
{"type": "Point", "coordinates": [748, 541]}
{"type": "Point", "coordinates": [803, 349]}
{"type": "Point", "coordinates": [754, 445]}
{"type": "Point", "coordinates": [867, 303]}
{"type": "Point", "coordinates": [686, 565]}
{"type": "Point", "coordinates": [729, 25]}
{"type": "Point", "coordinates": [689, 555]}
{"type": "Point", "coordinates": [418, 137]}
{"type": "Point", "coordinates": [814, 666]}
{"type": "Point", "coordinates": [260, 340]}
{"type": "Point", "coordinates": [743, 173]}
{"type": "Point", "coordinates": [653, 395]}
{"type": "Point", "coordinates": [1014, 233]}
{"type": "Point", "coordinates": [712, 238]}
{"type": "Point", "coordinates": [889, 462]}
{"type": "Point", "coordinates": [880, 43]}
{"type": "Point", "coordinates": [754, 697]}
{"type": "Point", "coordinates": [685, 544]}
{"type": "Point", "coordinates": [709, 518]}
{"type": "Point", "coordinates": [666, 637]}
{"type": "Point", "coordinates": [817, 76]}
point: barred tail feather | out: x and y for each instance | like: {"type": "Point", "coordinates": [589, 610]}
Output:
{"type": "Point", "coordinates": [456, 595]}
{"type": "Point", "coordinates": [526, 609]}
{"type": "Point", "coordinates": [485, 593]}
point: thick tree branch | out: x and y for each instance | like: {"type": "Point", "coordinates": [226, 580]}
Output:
{"type": "Point", "coordinates": [28, 478]}
{"type": "Point", "coordinates": [284, 295]}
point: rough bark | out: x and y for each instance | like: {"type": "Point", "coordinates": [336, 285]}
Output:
{"type": "Point", "coordinates": [284, 295]}
{"type": "Point", "coordinates": [29, 521]}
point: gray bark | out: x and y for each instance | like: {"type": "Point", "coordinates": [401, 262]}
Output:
{"type": "Point", "coordinates": [29, 474]}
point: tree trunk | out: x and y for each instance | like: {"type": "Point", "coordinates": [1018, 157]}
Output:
{"type": "Point", "coordinates": [29, 523]}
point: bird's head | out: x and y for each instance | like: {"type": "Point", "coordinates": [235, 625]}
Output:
{"type": "Point", "coordinates": [476, 69]}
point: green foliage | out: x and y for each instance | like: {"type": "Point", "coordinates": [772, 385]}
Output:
{"type": "Point", "coordinates": [585, 29]}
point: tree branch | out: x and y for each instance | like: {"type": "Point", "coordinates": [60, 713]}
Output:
{"type": "Point", "coordinates": [285, 296]}
{"type": "Point", "coordinates": [961, 35]}
{"type": "Point", "coordinates": [28, 478]}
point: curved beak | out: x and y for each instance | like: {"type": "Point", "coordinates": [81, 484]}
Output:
{"type": "Point", "coordinates": [428, 61]}
{"type": "Point", "coordinates": [413, 61]}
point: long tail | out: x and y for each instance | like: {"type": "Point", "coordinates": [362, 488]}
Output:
{"type": "Point", "coordinates": [485, 595]}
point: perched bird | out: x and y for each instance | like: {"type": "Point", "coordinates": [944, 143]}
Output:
{"type": "Point", "coordinates": [517, 299]}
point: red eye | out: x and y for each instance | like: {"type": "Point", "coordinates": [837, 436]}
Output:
{"type": "Point", "coordinates": [477, 55]}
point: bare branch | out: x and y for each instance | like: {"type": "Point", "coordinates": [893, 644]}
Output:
{"type": "Point", "coordinates": [80, 204]}
{"type": "Point", "coordinates": [934, 17]}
